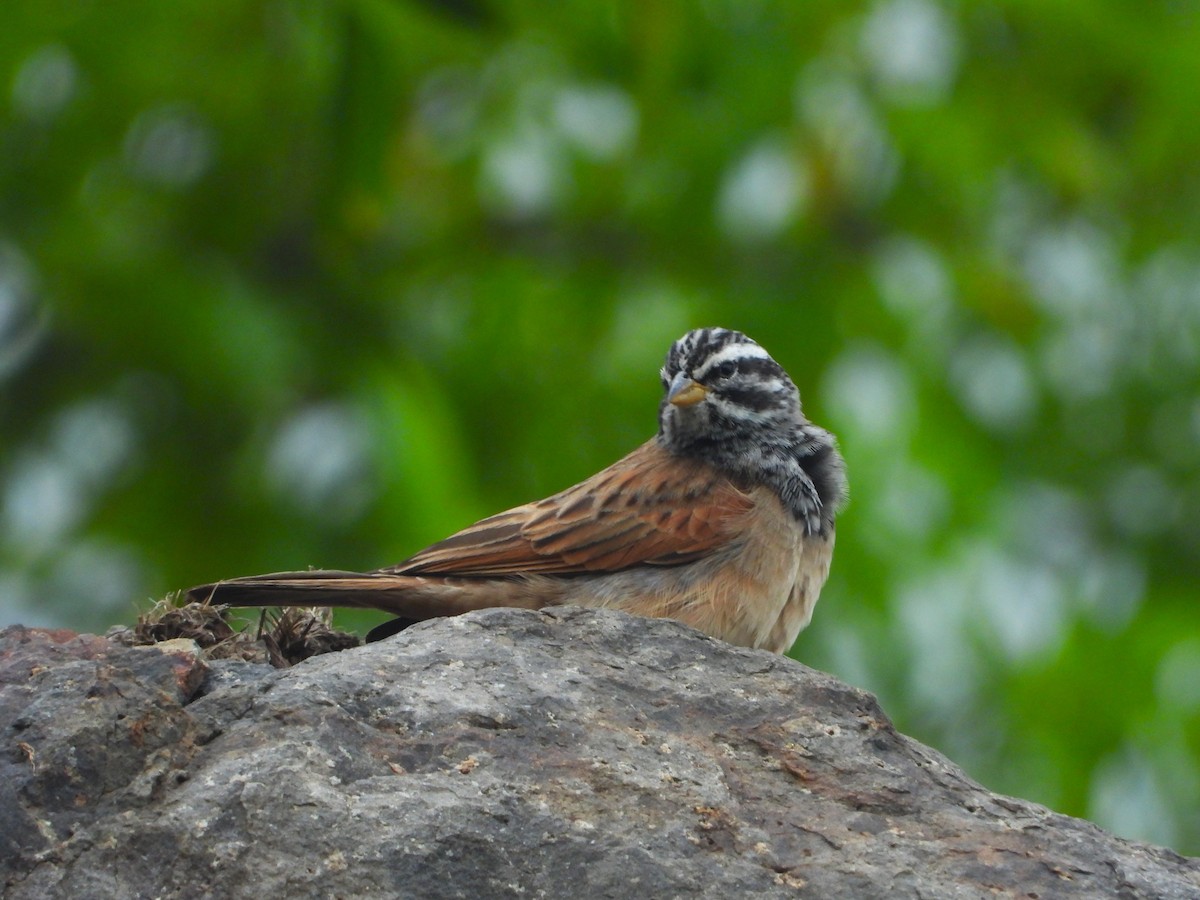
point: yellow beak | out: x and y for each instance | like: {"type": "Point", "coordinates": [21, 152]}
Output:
{"type": "Point", "coordinates": [685, 392]}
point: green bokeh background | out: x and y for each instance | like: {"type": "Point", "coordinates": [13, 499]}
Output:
{"type": "Point", "coordinates": [297, 283]}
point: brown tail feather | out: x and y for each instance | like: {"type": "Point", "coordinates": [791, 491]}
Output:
{"type": "Point", "coordinates": [318, 587]}
{"type": "Point", "coordinates": [412, 597]}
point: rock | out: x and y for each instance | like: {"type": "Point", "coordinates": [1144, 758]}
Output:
{"type": "Point", "coordinates": [503, 753]}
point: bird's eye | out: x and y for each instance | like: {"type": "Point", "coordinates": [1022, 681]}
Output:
{"type": "Point", "coordinates": [727, 369]}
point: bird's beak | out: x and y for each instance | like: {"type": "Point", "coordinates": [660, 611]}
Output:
{"type": "Point", "coordinates": [685, 392]}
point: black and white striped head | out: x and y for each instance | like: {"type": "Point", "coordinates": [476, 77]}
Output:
{"type": "Point", "coordinates": [722, 387]}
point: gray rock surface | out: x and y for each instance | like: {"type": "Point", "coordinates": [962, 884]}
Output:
{"type": "Point", "coordinates": [504, 753]}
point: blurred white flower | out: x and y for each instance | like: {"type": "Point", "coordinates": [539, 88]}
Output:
{"type": "Point", "coordinates": [169, 145]}
{"type": "Point", "coordinates": [601, 120]}
{"type": "Point", "coordinates": [45, 82]}
{"type": "Point", "coordinates": [1128, 798]}
{"type": "Point", "coordinates": [319, 462]}
{"type": "Point", "coordinates": [762, 193]}
{"type": "Point", "coordinates": [870, 396]}
{"type": "Point", "coordinates": [524, 174]}
{"type": "Point", "coordinates": [992, 379]}
{"type": "Point", "coordinates": [912, 49]}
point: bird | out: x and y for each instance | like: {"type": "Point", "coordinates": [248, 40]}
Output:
{"type": "Point", "coordinates": [724, 520]}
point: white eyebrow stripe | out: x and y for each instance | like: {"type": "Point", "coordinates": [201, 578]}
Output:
{"type": "Point", "coordinates": [732, 352]}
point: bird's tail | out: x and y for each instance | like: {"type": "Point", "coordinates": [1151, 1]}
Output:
{"type": "Point", "coordinates": [412, 597]}
{"type": "Point", "coordinates": [317, 587]}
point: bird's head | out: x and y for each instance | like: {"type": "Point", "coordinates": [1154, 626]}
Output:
{"type": "Point", "coordinates": [721, 388]}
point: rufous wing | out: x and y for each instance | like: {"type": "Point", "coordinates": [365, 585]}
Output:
{"type": "Point", "coordinates": [649, 508]}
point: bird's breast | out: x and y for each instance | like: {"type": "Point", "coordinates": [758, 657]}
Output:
{"type": "Point", "coordinates": [758, 591]}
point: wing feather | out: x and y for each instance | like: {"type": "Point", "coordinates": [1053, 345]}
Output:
{"type": "Point", "coordinates": [649, 508]}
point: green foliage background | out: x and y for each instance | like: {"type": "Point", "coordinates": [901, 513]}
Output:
{"type": "Point", "coordinates": [288, 283]}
